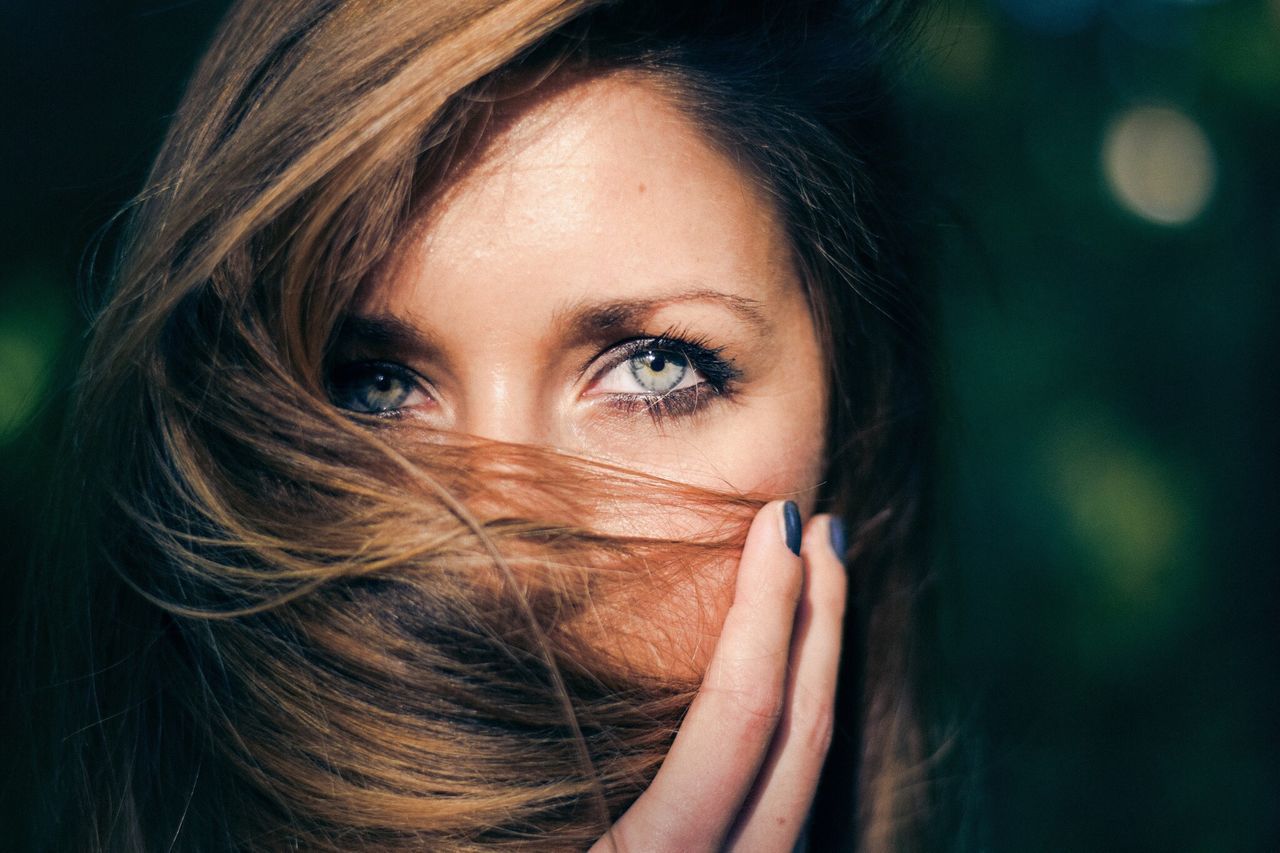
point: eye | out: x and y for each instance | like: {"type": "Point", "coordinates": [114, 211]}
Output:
{"type": "Point", "coordinates": [666, 376]}
{"type": "Point", "coordinates": [651, 371]}
{"type": "Point", "coordinates": [375, 387]}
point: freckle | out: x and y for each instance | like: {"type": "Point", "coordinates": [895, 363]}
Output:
{"type": "Point", "coordinates": [642, 188]}
{"type": "Point", "coordinates": [782, 821]}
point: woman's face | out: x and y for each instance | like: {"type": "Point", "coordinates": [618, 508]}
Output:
{"type": "Point", "coordinates": [601, 280]}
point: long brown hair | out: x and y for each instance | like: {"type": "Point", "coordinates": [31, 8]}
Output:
{"type": "Point", "coordinates": [264, 625]}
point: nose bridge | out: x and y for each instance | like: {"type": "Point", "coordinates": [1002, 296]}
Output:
{"type": "Point", "coordinates": [504, 402]}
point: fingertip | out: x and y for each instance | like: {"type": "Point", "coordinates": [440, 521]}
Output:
{"type": "Point", "coordinates": [776, 525]}
{"type": "Point", "coordinates": [769, 563]}
{"type": "Point", "coordinates": [824, 565]}
{"type": "Point", "coordinates": [819, 537]}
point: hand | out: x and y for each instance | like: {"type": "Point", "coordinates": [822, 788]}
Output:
{"type": "Point", "coordinates": [741, 773]}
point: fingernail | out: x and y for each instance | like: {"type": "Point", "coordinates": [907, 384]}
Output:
{"type": "Point", "coordinates": [838, 541]}
{"type": "Point", "coordinates": [791, 518]}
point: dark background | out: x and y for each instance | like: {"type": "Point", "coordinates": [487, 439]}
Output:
{"type": "Point", "coordinates": [1106, 176]}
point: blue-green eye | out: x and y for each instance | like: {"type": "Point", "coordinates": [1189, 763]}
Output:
{"type": "Point", "coordinates": [664, 376]}
{"type": "Point", "coordinates": [373, 387]}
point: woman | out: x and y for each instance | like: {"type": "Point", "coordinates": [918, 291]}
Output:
{"type": "Point", "coordinates": [440, 456]}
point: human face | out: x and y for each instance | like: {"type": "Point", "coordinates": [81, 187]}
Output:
{"type": "Point", "coordinates": [602, 280]}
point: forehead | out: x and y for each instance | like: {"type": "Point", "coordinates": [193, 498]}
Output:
{"type": "Point", "coordinates": [588, 188]}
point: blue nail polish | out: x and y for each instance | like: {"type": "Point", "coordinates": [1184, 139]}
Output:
{"type": "Point", "coordinates": [839, 542]}
{"type": "Point", "coordinates": [791, 516]}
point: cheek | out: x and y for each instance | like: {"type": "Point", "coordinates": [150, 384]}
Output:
{"type": "Point", "coordinates": [767, 442]}
{"type": "Point", "coordinates": [778, 454]}
{"type": "Point", "coordinates": [768, 447]}
{"type": "Point", "coordinates": [668, 627]}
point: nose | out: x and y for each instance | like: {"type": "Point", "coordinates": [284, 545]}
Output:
{"type": "Point", "coordinates": [502, 404]}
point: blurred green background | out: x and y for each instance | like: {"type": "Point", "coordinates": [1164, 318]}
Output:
{"type": "Point", "coordinates": [1106, 183]}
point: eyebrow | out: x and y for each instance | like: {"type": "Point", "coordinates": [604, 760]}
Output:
{"type": "Point", "coordinates": [583, 320]}
{"type": "Point", "coordinates": [603, 317]}
{"type": "Point", "coordinates": [385, 332]}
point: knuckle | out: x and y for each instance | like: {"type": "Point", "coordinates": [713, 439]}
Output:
{"type": "Point", "coordinates": [812, 723]}
{"type": "Point", "coordinates": [818, 731]}
{"type": "Point", "coordinates": [757, 707]}
{"type": "Point", "coordinates": [750, 684]}
{"type": "Point", "coordinates": [762, 698]}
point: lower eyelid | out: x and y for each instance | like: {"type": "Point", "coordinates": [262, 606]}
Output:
{"type": "Point", "coordinates": [681, 403]}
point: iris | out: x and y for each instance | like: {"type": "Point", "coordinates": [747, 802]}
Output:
{"type": "Point", "coordinates": [658, 371]}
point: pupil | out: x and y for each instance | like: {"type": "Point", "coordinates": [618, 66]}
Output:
{"type": "Point", "coordinates": [657, 362]}
{"type": "Point", "coordinates": [383, 382]}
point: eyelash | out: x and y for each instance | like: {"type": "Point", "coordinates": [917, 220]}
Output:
{"type": "Point", "coordinates": [719, 377]}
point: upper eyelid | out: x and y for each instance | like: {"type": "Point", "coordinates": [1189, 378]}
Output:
{"type": "Point", "coordinates": [629, 347]}
{"type": "Point", "coordinates": [402, 371]}
{"type": "Point", "coordinates": [624, 347]}
{"type": "Point", "coordinates": [394, 366]}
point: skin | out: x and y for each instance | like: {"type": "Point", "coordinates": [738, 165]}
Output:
{"type": "Point", "coordinates": [742, 772]}
{"type": "Point", "coordinates": [598, 196]}
{"type": "Point", "coordinates": [594, 214]}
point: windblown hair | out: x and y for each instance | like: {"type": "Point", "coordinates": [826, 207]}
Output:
{"type": "Point", "coordinates": [267, 625]}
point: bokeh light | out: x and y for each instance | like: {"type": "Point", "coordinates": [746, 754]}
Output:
{"type": "Point", "coordinates": [1159, 164]}
{"type": "Point", "coordinates": [32, 328]}
{"type": "Point", "coordinates": [1118, 502]}
{"type": "Point", "coordinates": [23, 365]}
{"type": "Point", "coordinates": [1133, 526]}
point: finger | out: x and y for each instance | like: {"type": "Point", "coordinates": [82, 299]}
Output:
{"type": "Point", "coordinates": [775, 813]}
{"type": "Point", "coordinates": [713, 762]}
